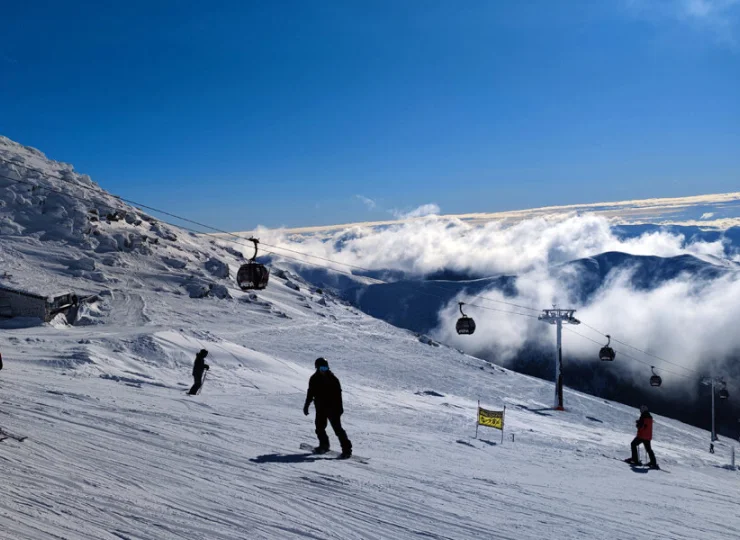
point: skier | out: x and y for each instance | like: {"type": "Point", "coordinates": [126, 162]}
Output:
{"type": "Point", "coordinates": [326, 393]}
{"type": "Point", "coordinates": [644, 436]}
{"type": "Point", "coordinates": [198, 367]}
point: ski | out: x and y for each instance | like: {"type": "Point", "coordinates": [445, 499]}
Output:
{"type": "Point", "coordinates": [334, 454]}
{"type": "Point", "coordinates": [7, 435]}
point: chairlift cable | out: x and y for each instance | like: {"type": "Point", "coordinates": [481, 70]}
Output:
{"type": "Point", "coordinates": [239, 240]}
{"type": "Point", "coordinates": [183, 227]}
{"type": "Point", "coordinates": [629, 356]}
{"type": "Point", "coordinates": [640, 350]}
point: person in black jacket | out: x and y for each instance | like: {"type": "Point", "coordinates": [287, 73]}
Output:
{"type": "Point", "coordinates": [326, 393]}
{"type": "Point", "coordinates": [198, 367]}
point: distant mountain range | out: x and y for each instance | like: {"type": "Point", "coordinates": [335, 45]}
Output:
{"type": "Point", "coordinates": [719, 211]}
{"type": "Point", "coordinates": [415, 303]}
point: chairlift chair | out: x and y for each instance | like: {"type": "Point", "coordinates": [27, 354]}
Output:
{"type": "Point", "coordinates": [607, 354]}
{"type": "Point", "coordinates": [655, 380]}
{"type": "Point", "coordinates": [253, 275]}
{"type": "Point", "coordinates": [723, 393]}
{"type": "Point", "coordinates": [465, 325]}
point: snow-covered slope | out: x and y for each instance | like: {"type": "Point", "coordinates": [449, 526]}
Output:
{"type": "Point", "coordinates": [116, 450]}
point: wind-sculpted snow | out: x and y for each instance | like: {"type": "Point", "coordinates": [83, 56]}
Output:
{"type": "Point", "coordinates": [59, 218]}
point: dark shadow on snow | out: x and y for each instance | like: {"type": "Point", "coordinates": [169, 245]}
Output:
{"type": "Point", "coordinates": [429, 393]}
{"type": "Point", "coordinates": [20, 322]}
{"type": "Point", "coordinates": [594, 419]}
{"type": "Point", "coordinates": [489, 443]}
{"type": "Point", "coordinates": [536, 411]}
{"type": "Point", "coordinates": [284, 458]}
{"type": "Point", "coordinates": [466, 443]}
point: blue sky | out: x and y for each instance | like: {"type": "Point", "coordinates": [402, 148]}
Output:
{"type": "Point", "coordinates": [306, 113]}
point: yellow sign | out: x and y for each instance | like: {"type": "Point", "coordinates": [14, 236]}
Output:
{"type": "Point", "coordinates": [494, 419]}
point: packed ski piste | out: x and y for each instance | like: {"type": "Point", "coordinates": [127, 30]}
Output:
{"type": "Point", "coordinates": [105, 436]}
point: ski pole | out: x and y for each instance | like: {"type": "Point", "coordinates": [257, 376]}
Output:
{"type": "Point", "coordinates": [201, 383]}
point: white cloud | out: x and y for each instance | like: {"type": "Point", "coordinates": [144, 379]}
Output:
{"type": "Point", "coordinates": [688, 321]}
{"type": "Point", "coordinates": [496, 247]}
{"type": "Point", "coordinates": [430, 209]}
{"type": "Point", "coordinates": [367, 201]}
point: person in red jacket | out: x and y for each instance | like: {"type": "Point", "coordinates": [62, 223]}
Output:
{"type": "Point", "coordinates": [644, 436]}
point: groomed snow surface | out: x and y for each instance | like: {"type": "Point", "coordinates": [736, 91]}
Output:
{"type": "Point", "coordinates": [116, 449]}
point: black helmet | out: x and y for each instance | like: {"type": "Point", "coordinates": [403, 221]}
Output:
{"type": "Point", "coordinates": [321, 362]}
{"type": "Point", "coordinates": [643, 409]}
{"type": "Point", "coordinates": [203, 353]}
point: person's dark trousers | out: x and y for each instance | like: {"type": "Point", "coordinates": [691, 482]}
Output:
{"type": "Point", "coordinates": [637, 442]}
{"type": "Point", "coordinates": [198, 379]}
{"type": "Point", "coordinates": [322, 417]}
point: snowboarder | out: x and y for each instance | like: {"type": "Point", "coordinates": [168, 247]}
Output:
{"type": "Point", "coordinates": [326, 393]}
{"type": "Point", "coordinates": [198, 367]}
{"type": "Point", "coordinates": [644, 436]}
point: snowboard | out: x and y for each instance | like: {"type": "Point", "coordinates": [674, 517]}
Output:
{"type": "Point", "coordinates": [333, 454]}
{"type": "Point", "coordinates": [639, 465]}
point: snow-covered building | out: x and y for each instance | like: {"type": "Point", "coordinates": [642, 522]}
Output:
{"type": "Point", "coordinates": [20, 303]}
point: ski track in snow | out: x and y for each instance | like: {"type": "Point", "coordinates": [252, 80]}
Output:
{"type": "Point", "coordinates": [116, 450]}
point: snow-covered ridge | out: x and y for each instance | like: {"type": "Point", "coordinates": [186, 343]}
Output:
{"type": "Point", "coordinates": [61, 229]}
{"type": "Point", "coordinates": [50, 200]}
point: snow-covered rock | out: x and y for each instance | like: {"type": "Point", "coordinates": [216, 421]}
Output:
{"type": "Point", "coordinates": [172, 262]}
{"type": "Point", "coordinates": [197, 288]}
{"type": "Point", "coordinates": [220, 291]}
{"type": "Point", "coordinates": [83, 263]}
{"type": "Point", "coordinates": [217, 268]}
{"type": "Point", "coordinates": [292, 285]}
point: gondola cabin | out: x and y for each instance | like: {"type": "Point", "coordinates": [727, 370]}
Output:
{"type": "Point", "coordinates": [724, 394]}
{"type": "Point", "coordinates": [465, 325]}
{"type": "Point", "coordinates": [253, 275]}
{"type": "Point", "coordinates": [607, 354]}
{"type": "Point", "coordinates": [655, 380]}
